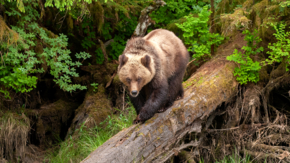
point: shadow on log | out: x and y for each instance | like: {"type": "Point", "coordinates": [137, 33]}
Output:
{"type": "Point", "coordinates": [158, 138]}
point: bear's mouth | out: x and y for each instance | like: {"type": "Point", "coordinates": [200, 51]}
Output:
{"type": "Point", "coordinates": [134, 95]}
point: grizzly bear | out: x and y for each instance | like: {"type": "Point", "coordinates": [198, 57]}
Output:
{"type": "Point", "coordinates": [152, 67]}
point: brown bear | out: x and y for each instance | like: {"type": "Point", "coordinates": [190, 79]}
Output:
{"type": "Point", "coordinates": [152, 67]}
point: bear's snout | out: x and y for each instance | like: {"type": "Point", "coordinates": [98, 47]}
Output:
{"type": "Point", "coordinates": [134, 93]}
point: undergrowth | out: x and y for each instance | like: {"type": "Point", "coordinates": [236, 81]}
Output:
{"type": "Point", "coordinates": [235, 159]}
{"type": "Point", "coordinates": [196, 34]}
{"type": "Point", "coordinates": [89, 139]}
{"type": "Point", "coordinates": [280, 50]}
{"type": "Point", "coordinates": [23, 53]}
{"type": "Point", "coordinates": [248, 70]}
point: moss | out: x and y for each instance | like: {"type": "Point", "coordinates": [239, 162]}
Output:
{"type": "Point", "coordinates": [160, 129]}
{"type": "Point", "coordinates": [200, 80]}
{"type": "Point", "coordinates": [247, 4]}
{"type": "Point", "coordinates": [172, 26]}
{"type": "Point", "coordinates": [70, 23]}
{"type": "Point", "coordinates": [116, 79]}
{"type": "Point", "coordinates": [151, 120]}
{"type": "Point", "coordinates": [97, 12]}
{"type": "Point", "coordinates": [6, 34]}
{"type": "Point", "coordinates": [279, 71]}
{"type": "Point", "coordinates": [51, 119]}
{"type": "Point", "coordinates": [212, 84]}
{"type": "Point", "coordinates": [223, 6]}
{"type": "Point", "coordinates": [94, 110]}
{"type": "Point", "coordinates": [260, 7]}
{"type": "Point", "coordinates": [49, 33]}
{"type": "Point", "coordinates": [111, 67]}
{"type": "Point", "coordinates": [100, 106]}
{"type": "Point", "coordinates": [232, 22]}
{"type": "Point", "coordinates": [263, 75]}
{"type": "Point", "coordinates": [187, 84]}
{"type": "Point", "coordinates": [141, 134]}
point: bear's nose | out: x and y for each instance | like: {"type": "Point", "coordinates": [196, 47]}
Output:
{"type": "Point", "coordinates": [134, 93]}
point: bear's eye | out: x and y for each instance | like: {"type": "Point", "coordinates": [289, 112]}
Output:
{"type": "Point", "coordinates": [139, 79]}
{"type": "Point", "coordinates": [128, 80]}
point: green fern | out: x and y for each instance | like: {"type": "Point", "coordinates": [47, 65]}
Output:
{"type": "Point", "coordinates": [248, 70]}
{"type": "Point", "coordinates": [279, 51]}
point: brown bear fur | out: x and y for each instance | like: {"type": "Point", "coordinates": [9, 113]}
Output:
{"type": "Point", "coordinates": [152, 67]}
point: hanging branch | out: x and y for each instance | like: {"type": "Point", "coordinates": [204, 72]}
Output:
{"type": "Point", "coordinates": [144, 19]}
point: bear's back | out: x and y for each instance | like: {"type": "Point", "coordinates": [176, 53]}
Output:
{"type": "Point", "coordinates": [170, 49]}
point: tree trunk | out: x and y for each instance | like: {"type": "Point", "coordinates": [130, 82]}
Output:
{"type": "Point", "coordinates": [157, 139]}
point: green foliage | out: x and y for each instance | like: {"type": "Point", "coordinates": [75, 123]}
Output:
{"type": "Point", "coordinates": [89, 139]}
{"type": "Point", "coordinates": [6, 93]}
{"type": "Point", "coordinates": [88, 41]}
{"type": "Point", "coordinates": [67, 4]}
{"type": "Point", "coordinates": [248, 70]}
{"type": "Point", "coordinates": [125, 28]}
{"type": "Point", "coordinates": [21, 63]}
{"type": "Point", "coordinates": [196, 34]}
{"type": "Point", "coordinates": [19, 3]}
{"type": "Point", "coordinates": [176, 9]}
{"type": "Point", "coordinates": [95, 85]}
{"type": "Point", "coordinates": [279, 51]}
{"type": "Point", "coordinates": [285, 4]}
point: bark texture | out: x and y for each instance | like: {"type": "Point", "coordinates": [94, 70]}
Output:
{"type": "Point", "coordinates": [156, 139]}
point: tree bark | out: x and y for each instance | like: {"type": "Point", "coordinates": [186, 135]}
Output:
{"type": "Point", "coordinates": [145, 20]}
{"type": "Point", "coordinates": [157, 139]}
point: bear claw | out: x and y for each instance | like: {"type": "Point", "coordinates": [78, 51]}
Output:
{"type": "Point", "coordinates": [137, 120]}
{"type": "Point", "coordinates": [161, 110]}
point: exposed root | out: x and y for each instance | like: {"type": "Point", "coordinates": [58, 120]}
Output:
{"type": "Point", "coordinates": [253, 124]}
{"type": "Point", "coordinates": [14, 130]}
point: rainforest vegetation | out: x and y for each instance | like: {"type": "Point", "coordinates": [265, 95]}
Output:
{"type": "Point", "coordinates": [61, 98]}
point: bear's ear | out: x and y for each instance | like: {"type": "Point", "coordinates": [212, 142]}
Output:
{"type": "Point", "coordinates": [122, 60]}
{"type": "Point", "coordinates": [146, 61]}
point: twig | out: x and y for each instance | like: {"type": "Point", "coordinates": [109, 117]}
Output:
{"type": "Point", "coordinates": [285, 96]}
{"type": "Point", "coordinates": [62, 19]}
{"type": "Point", "coordinates": [107, 43]}
{"type": "Point", "coordinates": [225, 129]}
{"type": "Point", "coordinates": [111, 79]}
{"type": "Point", "coordinates": [103, 48]}
{"type": "Point", "coordinates": [190, 62]}
{"type": "Point", "coordinates": [123, 98]}
{"type": "Point", "coordinates": [56, 16]}
{"type": "Point", "coordinates": [234, 128]}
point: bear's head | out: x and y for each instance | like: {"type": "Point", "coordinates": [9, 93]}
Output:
{"type": "Point", "coordinates": [135, 71]}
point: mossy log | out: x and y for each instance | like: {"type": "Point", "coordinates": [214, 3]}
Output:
{"type": "Point", "coordinates": [156, 139]}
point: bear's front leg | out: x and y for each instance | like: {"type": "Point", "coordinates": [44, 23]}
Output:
{"type": "Point", "coordinates": [138, 102]}
{"type": "Point", "coordinates": [155, 101]}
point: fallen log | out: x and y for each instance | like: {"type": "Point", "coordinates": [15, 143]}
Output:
{"type": "Point", "coordinates": [156, 139]}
